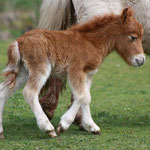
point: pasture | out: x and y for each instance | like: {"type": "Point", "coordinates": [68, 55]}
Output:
{"type": "Point", "coordinates": [120, 106]}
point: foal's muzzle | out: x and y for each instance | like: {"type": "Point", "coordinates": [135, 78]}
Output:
{"type": "Point", "coordinates": [138, 60]}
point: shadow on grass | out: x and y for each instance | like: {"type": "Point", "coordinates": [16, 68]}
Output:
{"type": "Point", "coordinates": [18, 130]}
{"type": "Point", "coordinates": [108, 119]}
{"type": "Point", "coordinates": [23, 130]}
{"type": "Point", "coordinates": [26, 128]}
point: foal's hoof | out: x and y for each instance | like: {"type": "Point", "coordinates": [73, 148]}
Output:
{"type": "Point", "coordinates": [60, 129]}
{"type": "Point", "coordinates": [52, 134]}
{"type": "Point", "coordinates": [97, 133]}
{"type": "Point", "coordinates": [81, 128]}
{"type": "Point", "coordinates": [1, 136]}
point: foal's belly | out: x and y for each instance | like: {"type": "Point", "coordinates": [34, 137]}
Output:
{"type": "Point", "coordinates": [59, 73]}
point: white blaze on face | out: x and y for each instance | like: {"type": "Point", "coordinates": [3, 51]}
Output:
{"type": "Point", "coordinates": [138, 60]}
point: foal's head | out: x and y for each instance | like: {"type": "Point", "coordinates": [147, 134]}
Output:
{"type": "Point", "coordinates": [129, 42]}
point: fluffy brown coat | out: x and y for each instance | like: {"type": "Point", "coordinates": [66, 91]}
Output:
{"type": "Point", "coordinates": [75, 55]}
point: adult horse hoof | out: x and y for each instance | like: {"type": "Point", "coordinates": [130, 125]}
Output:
{"type": "Point", "coordinates": [1, 136]}
{"type": "Point", "coordinates": [52, 134]}
{"type": "Point", "coordinates": [81, 128]}
{"type": "Point", "coordinates": [60, 129]}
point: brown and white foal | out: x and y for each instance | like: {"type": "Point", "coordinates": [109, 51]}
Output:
{"type": "Point", "coordinates": [74, 54]}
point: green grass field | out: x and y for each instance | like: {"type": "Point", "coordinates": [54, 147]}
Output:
{"type": "Point", "coordinates": [120, 106]}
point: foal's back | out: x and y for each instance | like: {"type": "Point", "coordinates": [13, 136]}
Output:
{"type": "Point", "coordinates": [61, 47]}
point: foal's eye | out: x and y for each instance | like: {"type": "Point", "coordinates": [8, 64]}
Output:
{"type": "Point", "coordinates": [133, 38]}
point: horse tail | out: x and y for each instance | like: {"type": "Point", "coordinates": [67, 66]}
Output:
{"type": "Point", "coordinates": [12, 68]}
{"type": "Point", "coordinates": [55, 14]}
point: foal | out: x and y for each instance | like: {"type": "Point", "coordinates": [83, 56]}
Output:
{"type": "Point", "coordinates": [74, 54]}
{"type": "Point", "coordinates": [79, 11]}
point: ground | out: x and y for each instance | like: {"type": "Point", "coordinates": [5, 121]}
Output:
{"type": "Point", "coordinates": [120, 106]}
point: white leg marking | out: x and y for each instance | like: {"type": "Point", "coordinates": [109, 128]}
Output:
{"type": "Point", "coordinates": [31, 96]}
{"type": "Point", "coordinates": [5, 91]}
{"type": "Point", "coordinates": [87, 121]}
{"type": "Point", "coordinates": [80, 100]}
{"type": "Point", "coordinates": [4, 94]}
{"type": "Point", "coordinates": [32, 99]}
{"type": "Point", "coordinates": [69, 116]}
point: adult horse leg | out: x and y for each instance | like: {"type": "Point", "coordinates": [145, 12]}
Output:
{"type": "Point", "coordinates": [50, 96]}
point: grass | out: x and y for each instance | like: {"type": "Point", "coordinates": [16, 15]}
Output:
{"type": "Point", "coordinates": [120, 106]}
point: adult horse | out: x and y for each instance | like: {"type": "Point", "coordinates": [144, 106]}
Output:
{"type": "Point", "coordinates": [59, 14]}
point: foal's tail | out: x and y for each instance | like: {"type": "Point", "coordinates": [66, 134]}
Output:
{"type": "Point", "coordinates": [55, 14]}
{"type": "Point", "coordinates": [12, 68]}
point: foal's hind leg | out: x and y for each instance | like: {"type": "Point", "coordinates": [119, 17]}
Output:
{"type": "Point", "coordinates": [6, 91]}
{"type": "Point", "coordinates": [31, 93]}
{"type": "Point", "coordinates": [4, 94]}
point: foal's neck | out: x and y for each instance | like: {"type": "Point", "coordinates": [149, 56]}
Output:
{"type": "Point", "coordinates": [101, 32]}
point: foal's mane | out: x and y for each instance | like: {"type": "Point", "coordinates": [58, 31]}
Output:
{"type": "Point", "coordinates": [97, 22]}
{"type": "Point", "coordinates": [109, 21]}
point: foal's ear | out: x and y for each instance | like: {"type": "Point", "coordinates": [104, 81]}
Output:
{"type": "Point", "coordinates": [126, 14]}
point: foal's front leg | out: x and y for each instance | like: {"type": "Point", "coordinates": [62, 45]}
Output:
{"type": "Point", "coordinates": [76, 82]}
{"type": "Point", "coordinates": [86, 121]}
{"type": "Point", "coordinates": [82, 99]}
{"type": "Point", "coordinates": [69, 116]}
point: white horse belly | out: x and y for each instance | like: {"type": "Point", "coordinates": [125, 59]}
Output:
{"type": "Point", "coordinates": [87, 9]}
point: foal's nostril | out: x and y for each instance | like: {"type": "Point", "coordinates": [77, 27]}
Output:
{"type": "Point", "coordinates": [140, 62]}
{"type": "Point", "coordinates": [143, 60]}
